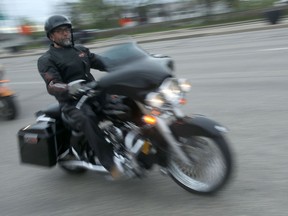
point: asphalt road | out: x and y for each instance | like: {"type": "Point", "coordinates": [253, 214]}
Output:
{"type": "Point", "coordinates": [238, 79]}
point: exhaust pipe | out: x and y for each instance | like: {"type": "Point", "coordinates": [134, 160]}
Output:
{"type": "Point", "coordinates": [83, 164]}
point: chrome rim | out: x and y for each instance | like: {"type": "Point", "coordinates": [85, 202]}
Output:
{"type": "Point", "coordinates": [208, 166]}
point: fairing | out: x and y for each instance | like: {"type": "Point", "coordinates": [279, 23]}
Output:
{"type": "Point", "coordinates": [133, 73]}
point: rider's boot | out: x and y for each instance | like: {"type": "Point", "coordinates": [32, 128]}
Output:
{"type": "Point", "coordinates": [117, 171]}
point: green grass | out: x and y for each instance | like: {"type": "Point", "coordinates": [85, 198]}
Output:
{"type": "Point", "coordinates": [254, 4]}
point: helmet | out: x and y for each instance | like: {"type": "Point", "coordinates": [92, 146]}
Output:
{"type": "Point", "coordinates": [54, 22]}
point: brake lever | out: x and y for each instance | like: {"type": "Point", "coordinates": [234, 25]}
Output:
{"type": "Point", "coordinates": [92, 85]}
{"type": "Point", "coordinates": [88, 90]}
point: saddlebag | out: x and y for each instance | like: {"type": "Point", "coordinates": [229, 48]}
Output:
{"type": "Point", "coordinates": [37, 144]}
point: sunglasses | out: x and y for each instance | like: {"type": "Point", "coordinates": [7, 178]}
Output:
{"type": "Point", "coordinates": [61, 30]}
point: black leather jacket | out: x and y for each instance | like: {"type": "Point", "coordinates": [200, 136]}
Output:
{"type": "Point", "coordinates": [59, 66]}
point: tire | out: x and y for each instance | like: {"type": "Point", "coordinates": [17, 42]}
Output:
{"type": "Point", "coordinates": [210, 168]}
{"type": "Point", "coordinates": [8, 108]}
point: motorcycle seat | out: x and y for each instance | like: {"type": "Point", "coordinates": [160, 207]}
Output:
{"type": "Point", "coordinates": [70, 124]}
{"type": "Point", "coordinates": [52, 111]}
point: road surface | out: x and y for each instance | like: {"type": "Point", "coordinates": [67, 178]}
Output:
{"type": "Point", "coordinates": [237, 79]}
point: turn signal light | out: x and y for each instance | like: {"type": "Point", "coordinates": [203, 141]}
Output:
{"type": "Point", "coordinates": [182, 101]}
{"type": "Point", "coordinates": [148, 119]}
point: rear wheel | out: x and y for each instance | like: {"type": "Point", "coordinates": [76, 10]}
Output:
{"type": "Point", "coordinates": [210, 166]}
{"type": "Point", "coordinates": [8, 109]}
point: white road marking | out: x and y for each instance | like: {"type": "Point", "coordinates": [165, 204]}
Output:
{"type": "Point", "coordinates": [275, 49]}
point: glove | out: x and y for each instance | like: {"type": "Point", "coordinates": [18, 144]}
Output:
{"type": "Point", "coordinates": [74, 88]}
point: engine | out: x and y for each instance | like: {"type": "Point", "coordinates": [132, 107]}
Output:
{"type": "Point", "coordinates": [129, 143]}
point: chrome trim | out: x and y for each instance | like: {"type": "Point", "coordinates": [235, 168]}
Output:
{"type": "Point", "coordinates": [129, 139]}
{"type": "Point", "coordinates": [81, 101]}
{"type": "Point", "coordinates": [173, 143]}
{"type": "Point", "coordinates": [45, 119]}
{"type": "Point", "coordinates": [221, 128]}
{"type": "Point", "coordinates": [178, 112]}
{"type": "Point", "coordinates": [137, 146]}
{"type": "Point", "coordinates": [85, 165]}
{"type": "Point", "coordinates": [167, 82]}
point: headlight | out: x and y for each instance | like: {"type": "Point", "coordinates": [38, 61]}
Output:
{"type": "Point", "coordinates": [184, 85]}
{"type": "Point", "coordinates": [155, 99]}
{"type": "Point", "coordinates": [171, 90]}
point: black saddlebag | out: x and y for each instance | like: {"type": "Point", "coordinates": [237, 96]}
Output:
{"type": "Point", "coordinates": [37, 144]}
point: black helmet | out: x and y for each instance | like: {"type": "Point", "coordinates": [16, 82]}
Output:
{"type": "Point", "coordinates": [54, 22]}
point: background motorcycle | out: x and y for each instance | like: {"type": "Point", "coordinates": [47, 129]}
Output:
{"type": "Point", "coordinates": [152, 131]}
{"type": "Point", "coordinates": [8, 108]}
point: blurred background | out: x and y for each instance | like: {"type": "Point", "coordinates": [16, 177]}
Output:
{"type": "Point", "coordinates": [21, 21]}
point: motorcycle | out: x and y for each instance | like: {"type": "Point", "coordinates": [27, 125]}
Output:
{"type": "Point", "coordinates": [8, 108]}
{"type": "Point", "coordinates": [194, 151]}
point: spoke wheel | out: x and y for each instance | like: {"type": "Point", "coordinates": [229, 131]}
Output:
{"type": "Point", "coordinates": [210, 165]}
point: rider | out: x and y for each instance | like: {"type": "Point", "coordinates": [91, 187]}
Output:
{"type": "Point", "coordinates": [63, 63]}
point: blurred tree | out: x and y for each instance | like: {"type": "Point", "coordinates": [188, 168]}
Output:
{"type": "Point", "coordinates": [75, 14]}
{"type": "Point", "coordinates": [208, 4]}
{"type": "Point", "coordinates": [2, 17]}
{"type": "Point", "coordinates": [25, 21]}
{"type": "Point", "coordinates": [2, 13]}
{"type": "Point", "coordinates": [233, 4]}
{"type": "Point", "coordinates": [97, 13]}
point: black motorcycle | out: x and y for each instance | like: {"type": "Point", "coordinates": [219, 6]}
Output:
{"type": "Point", "coordinates": [152, 131]}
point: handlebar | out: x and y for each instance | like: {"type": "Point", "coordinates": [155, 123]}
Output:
{"type": "Point", "coordinates": [87, 90]}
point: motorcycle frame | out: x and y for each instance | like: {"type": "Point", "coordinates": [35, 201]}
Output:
{"type": "Point", "coordinates": [162, 126]}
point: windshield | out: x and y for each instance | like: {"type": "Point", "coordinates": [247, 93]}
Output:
{"type": "Point", "coordinates": [132, 73]}
{"type": "Point", "coordinates": [123, 53]}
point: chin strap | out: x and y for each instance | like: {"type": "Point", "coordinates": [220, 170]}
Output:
{"type": "Point", "coordinates": [72, 37]}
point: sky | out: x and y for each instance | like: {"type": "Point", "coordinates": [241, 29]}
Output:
{"type": "Point", "coordinates": [36, 10]}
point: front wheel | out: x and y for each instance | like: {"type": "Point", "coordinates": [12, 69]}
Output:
{"type": "Point", "coordinates": [210, 167]}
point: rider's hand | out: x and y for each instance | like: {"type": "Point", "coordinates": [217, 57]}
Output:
{"type": "Point", "coordinates": [75, 89]}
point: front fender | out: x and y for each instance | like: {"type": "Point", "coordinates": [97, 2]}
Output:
{"type": "Point", "coordinates": [197, 126]}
